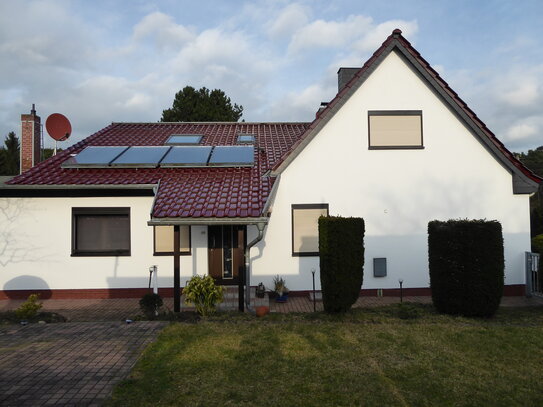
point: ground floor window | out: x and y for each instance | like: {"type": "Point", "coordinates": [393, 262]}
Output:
{"type": "Point", "coordinates": [305, 228]}
{"type": "Point", "coordinates": [100, 231]}
{"type": "Point", "coordinates": [163, 240]}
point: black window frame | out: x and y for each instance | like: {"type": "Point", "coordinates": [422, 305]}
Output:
{"type": "Point", "coordinates": [100, 211]}
{"type": "Point", "coordinates": [396, 113]}
{"type": "Point", "coordinates": [298, 207]}
{"type": "Point", "coordinates": [181, 253]}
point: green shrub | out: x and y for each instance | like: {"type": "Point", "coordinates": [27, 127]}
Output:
{"type": "Point", "coordinates": [203, 293]}
{"type": "Point", "coordinates": [537, 244]}
{"type": "Point", "coordinates": [536, 218]}
{"type": "Point", "coordinates": [466, 264]}
{"type": "Point", "coordinates": [150, 304]}
{"type": "Point", "coordinates": [29, 309]}
{"type": "Point", "coordinates": [341, 247]}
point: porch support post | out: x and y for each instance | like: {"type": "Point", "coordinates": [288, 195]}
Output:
{"type": "Point", "coordinates": [176, 270]}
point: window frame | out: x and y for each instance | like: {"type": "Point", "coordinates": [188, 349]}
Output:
{"type": "Point", "coordinates": [395, 113]}
{"type": "Point", "coordinates": [98, 211]}
{"type": "Point", "coordinates": [181, 252]}
{"type": "Point", "coordinates": [168, 142]}
{"type": "Point", "coordinates": [301, 207]}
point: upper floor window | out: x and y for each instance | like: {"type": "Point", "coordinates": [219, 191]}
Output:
{"type": "Point", "coordinates": [100, 231]}
{"type": "Point", "coordinates": [395, 129]}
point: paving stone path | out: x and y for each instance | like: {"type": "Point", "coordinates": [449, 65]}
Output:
{"type": "Point", "coordinates": [71, 364]}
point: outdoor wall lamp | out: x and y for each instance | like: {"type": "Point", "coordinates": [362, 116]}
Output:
{"type": "Point", "coordinates": [314, 299]}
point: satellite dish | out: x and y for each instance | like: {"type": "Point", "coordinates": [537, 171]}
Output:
{"type": "Point", "coordinates": [58, 127]}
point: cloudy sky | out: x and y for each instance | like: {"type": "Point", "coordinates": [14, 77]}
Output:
{"type": "Point", "coordinates": [102, 61]}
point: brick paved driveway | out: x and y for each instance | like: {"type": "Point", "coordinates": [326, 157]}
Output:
{"type": "Point", "coordinates": [75, 363]}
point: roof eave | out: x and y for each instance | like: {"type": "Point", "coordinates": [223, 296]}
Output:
{"type": "Point", "coordinates": [206, 221]}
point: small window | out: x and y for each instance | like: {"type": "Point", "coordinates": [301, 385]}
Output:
{"type": "Point", "coordinates": [163, 240]}
{"type": "Point", "coordinates": [246, 138]}
{"type": "Point", "coordinates": [395, 129]}
{"type": "Point", "coordinates": [100, 231]}
{"type": "Point", "coordinates": [183, 139]}
{"type": "Point", "coordinates": [305, 228]}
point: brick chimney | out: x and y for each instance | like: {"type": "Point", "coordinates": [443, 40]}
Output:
{"type": "Point", "coordinates": [30, 140]}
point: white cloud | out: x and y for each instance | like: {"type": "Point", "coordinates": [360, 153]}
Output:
{"type": "Point", "coordinates": [374, 37]}
{"type": "Point", "coordinates": [162, 29]}
{"type": "Point", "coordinates": [304, 103]}
{"type": "Point", "coordinates": [276, 58]}
{"type": "Point", "coordinates": [521, 91]}
{"type": "Point", "coordinates": [289, 19]}
{"type": "Point", "coordinates": [521, 131]}
{"type": "Point", "coordinates": [329, 34]}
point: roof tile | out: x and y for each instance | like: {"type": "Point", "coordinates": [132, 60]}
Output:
{"type": "Point", "coordinates": [183, 192]}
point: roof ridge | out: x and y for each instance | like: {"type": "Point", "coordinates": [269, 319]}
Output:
{"type": "Point", "coordinates": [208, 123]}
{"type": "Point", "coordinates": [396, 37]}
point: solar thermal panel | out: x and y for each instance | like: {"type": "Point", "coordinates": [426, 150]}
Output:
{"type": "Point", "coordinates": [94, 156]}
{"type": "Point", "coordinates": [186, 156]}
{"type": "Point", "coordinates": [141, 157]}
{"type": "Point", "coordinates": [232, 156]}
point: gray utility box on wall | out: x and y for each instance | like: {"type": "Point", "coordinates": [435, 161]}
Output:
{"type": "Point", "coordinates": [379, 267]}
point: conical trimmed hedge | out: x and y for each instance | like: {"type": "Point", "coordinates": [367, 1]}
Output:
{"type": "Point", "coordinates": [341, 247]}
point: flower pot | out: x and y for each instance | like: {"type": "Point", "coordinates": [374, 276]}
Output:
{"type": "Point", "coordinates": [282, 298]}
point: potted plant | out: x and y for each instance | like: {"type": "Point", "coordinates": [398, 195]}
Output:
{"type": "Point", "coordinates": [260, 291]}
{"type": "Point", "coordinates": [280, 289]}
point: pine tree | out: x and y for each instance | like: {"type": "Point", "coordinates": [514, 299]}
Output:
{"type": "Point", "coordinates": [202, 105]}
{"type": "Point", "coordinates": [9, 161]}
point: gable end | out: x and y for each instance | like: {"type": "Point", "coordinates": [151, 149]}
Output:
{"type": "Point", "coordinates": [523, 181]}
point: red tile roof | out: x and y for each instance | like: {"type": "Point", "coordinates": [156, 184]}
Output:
{"type": "Point", "coordinates": [397, 39]}
{"type": "Point", "coordinates": [184, 192]}
{"type": "Point", "coordinates": [225, 192]}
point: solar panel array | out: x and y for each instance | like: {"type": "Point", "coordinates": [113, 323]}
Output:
{"type": "Point", "coordinates": [161, 156]}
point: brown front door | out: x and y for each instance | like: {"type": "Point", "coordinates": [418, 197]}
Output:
{"type": "Point", "coordinates": [226, 253]}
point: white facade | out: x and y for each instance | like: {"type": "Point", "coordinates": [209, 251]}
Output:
{"type": "Point", "coordinates": [36, 252]}
{"type": "Point", "coordinates": [397, 192]}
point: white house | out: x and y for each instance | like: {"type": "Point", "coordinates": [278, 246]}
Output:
{"type": "Point", "coordinates": [396, 146]}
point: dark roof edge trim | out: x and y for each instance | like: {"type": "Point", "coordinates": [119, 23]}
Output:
{"type": "Point", "coordinates": [76, 186]}
{"type": "Point", "coordinates": [271, 196]}
{"type": "Point", "coordinates": [121, 191]}
{"type": "Point", "coordinates": [206, 221]}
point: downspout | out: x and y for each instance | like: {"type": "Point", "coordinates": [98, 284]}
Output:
{"type": "Point", "coordinates": [260, 227]}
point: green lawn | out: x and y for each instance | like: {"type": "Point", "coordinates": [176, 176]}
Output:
{"type": "Point", "coordinates": [368, 357]}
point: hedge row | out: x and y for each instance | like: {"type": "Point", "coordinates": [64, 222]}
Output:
{"type": "Point", "coordinates": [466, 264]}
{"type": "Point", "coordinates": [341, 247]}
